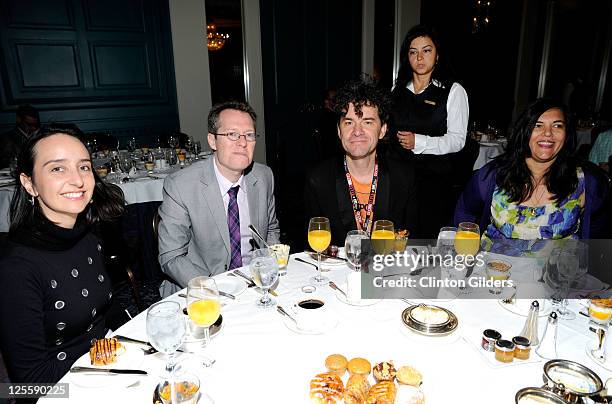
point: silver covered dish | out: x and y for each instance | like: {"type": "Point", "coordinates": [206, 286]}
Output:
{"type": "Point", "coordinates": [430, 320]}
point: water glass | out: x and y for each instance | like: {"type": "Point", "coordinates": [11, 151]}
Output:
{"type": "Point", "coordinates": [264, 270]}
{"type": "Point", "coordinates": [352, 247]}
{"type": "Point", "coordinates": [166, 329]}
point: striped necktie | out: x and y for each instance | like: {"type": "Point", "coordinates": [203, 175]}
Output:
{"type": "Point", "coordinates": [233, 224]}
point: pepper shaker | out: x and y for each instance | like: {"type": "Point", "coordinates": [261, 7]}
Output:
{"type": "Point", "coordinates": [548, 346]}
{"type": "Point", "coordinates": [530, 329]}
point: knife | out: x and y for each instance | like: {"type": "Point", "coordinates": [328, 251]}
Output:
{"type": "Point", "coordinates": [327, 256]}
{"type": "Point", "coordinates": [251, 282]}
{"type": "Point", "coordinates": [221, 293]}
{"type": "Point", "coordinates": [137, 341]}
{"type": "Point", "coordinates": [83, 369]}
{"type": "Point", "coordinates": [284, 313]}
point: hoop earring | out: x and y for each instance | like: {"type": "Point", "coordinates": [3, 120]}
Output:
{"type": "Point", "coordinates": [32, 200]}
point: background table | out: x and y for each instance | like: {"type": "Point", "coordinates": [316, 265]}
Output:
{"type": "Point", "coordinates": [487, 152]}
{"type": "Point", "coordinates": [260, 360]}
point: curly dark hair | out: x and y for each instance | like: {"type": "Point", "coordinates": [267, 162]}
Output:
{"type": "Point", "coordinates": [359, 93]}
{"type": "Point", "coordinates": [442, 71]}
{"type": "Point", "coordinates": [108, 200]}
{"type": "Point", "coordinates": [513, 175]}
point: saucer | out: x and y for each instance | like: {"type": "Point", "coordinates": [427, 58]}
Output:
{"type": "Point", "coordinates": [231, 285]}
{"type": "Point", "coordinates": [328, 323]}
{"type": "Point", "coordinates": [606, 365]}
{"type": "Point", "coordinates": [359, 303]}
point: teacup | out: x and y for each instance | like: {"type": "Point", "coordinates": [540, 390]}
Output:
{"type": "Point", "coordinates": [310, 313]}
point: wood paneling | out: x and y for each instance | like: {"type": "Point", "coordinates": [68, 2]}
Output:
{"type": "Point", "coordinates": [104, 64]}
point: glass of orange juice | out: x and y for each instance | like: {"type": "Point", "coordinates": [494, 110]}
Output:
{"type": "Point", "coordinates": [203, 306]}
{"type": "Point", "coordinates": [383, 237]}
{"type": "Point", "coordinates": [319, 237]}
{"type": "Point", "coordinates": [467, 239]}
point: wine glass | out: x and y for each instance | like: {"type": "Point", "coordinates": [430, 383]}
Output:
{"type": "Point", "coordinates": [264, 270]}
{"type": "Point", "coordinates": [126, 165]}
{"type": "Point", "coordinates": [166, 329]}
{"type": "Point", "coordinates": [132, 144]}
{"type": "Point", "coordinates": [319, 237]}
{"type": "Point", "coordinates": [600, 314]}
{"type": "Point", "coordinates": [571, 265]}
{"type": "Point", "coordinates": [352, 247]}
{"type": "Point", "coordinates": [173, 142]}
{"type": "Point", "coordinates": [203, 305]}
{"type": "Point", "coordinates": [383, 236]}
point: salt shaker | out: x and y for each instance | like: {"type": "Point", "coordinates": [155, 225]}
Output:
{"type": "Point", "coordinates": [530, 329]}
{"type": "Point", "coordinates": [548, 346]}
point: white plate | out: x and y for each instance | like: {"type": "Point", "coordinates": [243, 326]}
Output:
{"type": "Point", "coordinates": [522, 309]}
{"type": "Point", "coordinates": [360, 302]}
{"type": "Point", "coordinates": [231, 285]}
{"type": "Point", "coordinates": [473, 339]}
{"type": "Point", "coordinates": [325, 262]}
{"type": "Point", "coordinates": [329, 323]}
{"type": "Point", "coordinates": [132, 358]}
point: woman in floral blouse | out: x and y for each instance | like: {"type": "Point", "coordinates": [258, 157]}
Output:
{"type": "Point", "coordinates": [537, 189]}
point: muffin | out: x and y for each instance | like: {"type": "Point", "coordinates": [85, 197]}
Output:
{"type": "Point", "coordinates": [336, 363]}
{"type": "Point", "coordinates": [384, 371]}
{"type": "Point", "coordinates": [359, 366]}
{"type": "Point", "coordinates": [409, 376]}
{"type": "Point", "coordinates": [409, 395]}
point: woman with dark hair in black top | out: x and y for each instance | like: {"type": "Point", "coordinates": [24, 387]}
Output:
{"type": "Point", "coordinates": [429, 124]}
{"type": "Point", "coordinates": [54, 290]}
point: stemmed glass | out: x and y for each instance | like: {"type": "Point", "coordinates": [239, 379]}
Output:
{"type": "Point", "coordinates": [352, 247]}
{"type": "Point", "coordinates": [166, 329]}
{"type": "Point", "coordinates": [173, 142]}
{"type": "Point", "coordinates": [203, 305]}
{"type": "Point", "coordinates": [126, 165]}
{"type": "Point", "coordinates": [467, 244]}
{"type": "Point", "coordinates": [600, 314]}
{"type": "Point", "coordinates": [131, 145]}
{"type": "Point", "coordinates": [264, 270]}
{"type": "Point", "coordinates": [319, 237]}
{"type": "Point", "coordinates": [383, 236]}
{"type": "Point", "coordinates": [571, 265]}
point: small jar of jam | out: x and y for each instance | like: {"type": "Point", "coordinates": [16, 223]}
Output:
{"type": "Point", "coordinates": [522, 347]}
{"type": "Point", "coordinates": [489, 337]}
{"type": "Point", "coordinates": [504, 350]}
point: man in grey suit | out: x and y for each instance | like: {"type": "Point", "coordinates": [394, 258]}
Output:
{"type": "Point", "coordinates": [209, 205]}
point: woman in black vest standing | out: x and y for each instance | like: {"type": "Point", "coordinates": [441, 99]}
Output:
{"type": "Point", "coordinates": [430, 119]}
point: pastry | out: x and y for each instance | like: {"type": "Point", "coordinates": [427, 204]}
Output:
{"type": "Point", "coordinates": [382, 393]}
{"type": "Point", "coordinates": [326, 388]}
{"type": "Point", "coordinates": [359, 366]}
{"type": "Point", "coordinates": [356, 390]}
{"type": "Point", "coordinates": [409, 395]}
{"type": "Point", "coordinates": [384, 371]}
{"type": "Point", "coordinates": [104, 351]}
{"type": "Point", "coordinates": [410, 376]}
{"type": "Point", "coordinates": [336, 363]}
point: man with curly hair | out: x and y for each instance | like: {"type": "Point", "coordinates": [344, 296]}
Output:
{"type": "Point", "coordinates": [365, 184]}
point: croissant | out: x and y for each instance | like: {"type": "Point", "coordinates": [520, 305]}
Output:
{"type": "Point", "coordinates": [356, 389]}
{"type": "Point", "coordinates": [326, 388]}
{"type": "Point", "coordinates": [382, 393]}
{"type": "Point", "coordinates": [104, 351]}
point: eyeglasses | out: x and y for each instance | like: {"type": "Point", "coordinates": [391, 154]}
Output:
{"type": "Point", "coordinates": [235, 136]}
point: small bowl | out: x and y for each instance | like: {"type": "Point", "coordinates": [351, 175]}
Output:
{"type": "Point", "coordinates": [187, 389]}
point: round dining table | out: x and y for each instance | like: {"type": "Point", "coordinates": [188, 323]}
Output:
{"type": "Point", "coordinates": [260, 357]}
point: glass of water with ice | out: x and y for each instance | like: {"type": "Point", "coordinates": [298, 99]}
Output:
{"type": "Point", "coordinates": [264, 270]}
{"type": "Point", "coordinates": [166, 329]}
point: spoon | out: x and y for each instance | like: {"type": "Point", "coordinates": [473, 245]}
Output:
{"type": "Point", "coordinates": [335, 287]}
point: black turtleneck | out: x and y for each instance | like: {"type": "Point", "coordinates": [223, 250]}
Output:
{"type": "Point", "coordinates": [54, 292]}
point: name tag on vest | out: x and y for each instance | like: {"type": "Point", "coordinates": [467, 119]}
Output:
{"type": "Point", "coordinates": [429, 102]}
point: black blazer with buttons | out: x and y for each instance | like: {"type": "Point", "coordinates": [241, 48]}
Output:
{"type": "Point", "coordinates": [327, 194]}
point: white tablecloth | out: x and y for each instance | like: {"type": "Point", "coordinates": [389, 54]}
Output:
{"type": "Point", "coordinates": [488, 151]}
{"type": "Point", "coordinates": [259, 360]}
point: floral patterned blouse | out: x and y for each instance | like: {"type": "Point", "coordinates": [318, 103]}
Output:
{"type": "Point", "coordinates": [518, 222]}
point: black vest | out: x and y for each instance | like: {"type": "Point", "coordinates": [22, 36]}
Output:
{"type": "Point", "coordinates": [423, 113]}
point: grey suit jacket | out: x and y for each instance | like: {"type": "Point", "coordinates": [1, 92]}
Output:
{"type": "Point", "coordinates": [193, 233]}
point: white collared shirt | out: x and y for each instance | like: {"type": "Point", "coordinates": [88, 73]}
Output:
{"type": "Point", "coordinates": [243, 210]}
{"type": "Point", "coordinates": [458, 113]}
